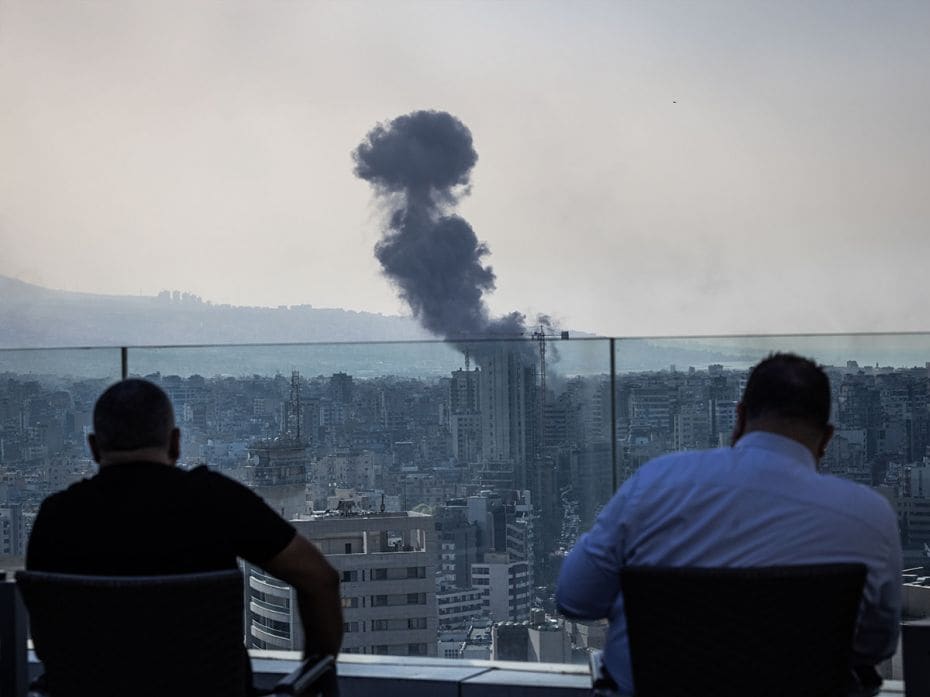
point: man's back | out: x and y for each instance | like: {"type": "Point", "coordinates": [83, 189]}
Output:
{"type": "Point", "coordinates": [141, 515]}
{"type": "Point", "coordinates": [759, 503]}
{"type": "Point", "coordinates": [150, 519]}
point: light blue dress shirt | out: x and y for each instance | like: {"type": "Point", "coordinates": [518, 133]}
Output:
{"type": "Point", "coordinates": [759, 503]}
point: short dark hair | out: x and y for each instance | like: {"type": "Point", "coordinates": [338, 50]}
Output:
{"type": "Point", "coordinates": [132, 414]}
{"type": "Point", "coordinates": [788, 386]}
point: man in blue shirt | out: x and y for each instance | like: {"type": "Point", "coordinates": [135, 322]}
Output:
{"type": "Point", "coordinates": [760, 502]}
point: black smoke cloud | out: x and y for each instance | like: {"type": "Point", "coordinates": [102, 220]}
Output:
{"type": "Point", "coordinates": [420, 165]}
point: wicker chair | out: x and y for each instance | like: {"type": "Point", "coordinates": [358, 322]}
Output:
{"type": "Point", "coordinates": [771, 631]}
{"type": "Point", "coordinates": [147, 636]}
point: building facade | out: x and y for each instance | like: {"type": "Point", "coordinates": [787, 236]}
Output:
{"type": "Point", "coordinates": [387, 562]}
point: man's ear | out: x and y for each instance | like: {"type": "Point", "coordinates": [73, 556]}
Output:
{"type": "Point", "coordinates": [825, 440]}
{"type": "Point", "coordinates": [174, 444]}
{"type": "Point", "coordinates": [740, 427]}
{"type": "Point", "coordinates": [92, 444]}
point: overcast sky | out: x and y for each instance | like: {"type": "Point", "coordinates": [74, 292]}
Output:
{"type": "Point", "coordinates": [644, 168]}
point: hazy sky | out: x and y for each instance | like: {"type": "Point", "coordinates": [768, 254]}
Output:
{"type": "Point", "coordinates": [643, 167]}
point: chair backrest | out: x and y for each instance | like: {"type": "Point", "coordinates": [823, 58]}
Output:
{"type": "Point", "coordinates": [775, 631]}
{"type": "Point", "coordinates": [138, 635]}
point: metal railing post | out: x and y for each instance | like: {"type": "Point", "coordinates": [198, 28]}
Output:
{"type": "Point", "coordinates": [123, 362]}
{"type": "Point", "coordinates": [613, 412]}
{"type": "Point", "coordinates": [14, 669]}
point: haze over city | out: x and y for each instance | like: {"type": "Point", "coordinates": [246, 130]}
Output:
{"type": "Point", "coordinates": [661, 169]}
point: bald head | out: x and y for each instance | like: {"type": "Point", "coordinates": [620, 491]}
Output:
{"type": "Point", "coordinates": [134, 420]}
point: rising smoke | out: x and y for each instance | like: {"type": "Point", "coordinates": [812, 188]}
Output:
{"type": "Point", "coordinates": [419, 165]}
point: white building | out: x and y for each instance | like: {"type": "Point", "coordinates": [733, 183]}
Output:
{"type": "Point", "coordinates": [505, 586]}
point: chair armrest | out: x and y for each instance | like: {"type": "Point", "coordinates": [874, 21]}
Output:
{"type": "Point", "coordinates": [38, 687]}
{"type": "Point", "coordinates": [313, 672]}
{"type": "Point", "coordinates": [602, 683]}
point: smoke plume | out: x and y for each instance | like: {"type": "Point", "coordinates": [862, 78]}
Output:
{"type": "Point", "coordinates": [420, 165]}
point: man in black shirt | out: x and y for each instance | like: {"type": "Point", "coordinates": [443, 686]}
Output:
{"type": "Point", "coordinates": [141, 515]}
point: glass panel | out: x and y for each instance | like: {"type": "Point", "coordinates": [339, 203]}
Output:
{"type": "Point", "coordinates": [46, 406]}
{"type": "Point", "coordinates": [469, 461]}
{"type": "Point", "coordinates": [677, 394]}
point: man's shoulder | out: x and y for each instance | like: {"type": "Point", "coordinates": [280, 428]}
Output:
{"type": "Point", "coordinates": [863, 500]}
{"type": "Point", "coordinates": [203, 475]}
{"type": "Point", "coordinates": [220, 489]}
{"type": "Point", "coordinates": [74, 494]}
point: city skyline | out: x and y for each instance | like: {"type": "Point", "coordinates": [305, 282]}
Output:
{"type": "Point", "coordinates": [447, 502]}
{"type": "Point", "coordinates": [636, 164]}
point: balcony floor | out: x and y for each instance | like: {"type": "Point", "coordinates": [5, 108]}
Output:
{"type": "Point", "coordinates": [388, 676]}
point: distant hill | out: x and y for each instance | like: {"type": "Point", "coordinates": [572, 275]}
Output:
{"type": "Point", "coordinates": [33, 316]}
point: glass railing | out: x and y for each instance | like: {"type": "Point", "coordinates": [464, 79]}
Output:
{"type": "Point", "coordinates": [681, 393]}
{"type": "Point", "coordinates": [46, 404]}
{"type": "Point", "coordinates": [499, 454]}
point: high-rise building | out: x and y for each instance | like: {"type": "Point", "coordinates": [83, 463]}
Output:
{"type": "Point", "coordinates": [506, 395]}
{"type": "Point", "coordinates": [458, 539]}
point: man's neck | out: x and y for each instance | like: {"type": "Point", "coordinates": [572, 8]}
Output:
{"type": "Point", "coordinates": [120, 457]}
{"type": "Point", "coordinates": [790, 430]}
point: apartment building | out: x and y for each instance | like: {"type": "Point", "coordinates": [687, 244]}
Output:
{"type": "Point", "coordinates": [388, 566]}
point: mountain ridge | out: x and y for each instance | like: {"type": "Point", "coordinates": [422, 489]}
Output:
{"type": "Point", "coordinates": [35, 316]}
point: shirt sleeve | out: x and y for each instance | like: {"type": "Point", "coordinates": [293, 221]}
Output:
{"type": "Point", "coordinates": [589, 581]}
{"type": "Point", "coordinates": [257, 532]}
{"type": "Point", "coordinates": [880, 616]}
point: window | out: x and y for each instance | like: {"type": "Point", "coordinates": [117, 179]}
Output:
{"type": "Point", "coordinates": [416, 649]}
{"type": "Point", "coordinates": [281, 629]}
{"type": "Point", "coordinates": [350, 627]}
{"type": "Point", "coordinates": [349, 576]}
{"type": "Point", "coordinates": [348, 548]}
{"type": "Point", "coordinates": [416, 572]}
{"type": "Point", "coordinates": [350, 602]}
{"type": "Point", "coordinates": [416, 598]}
{"type": "Point", "coordinates": [379, 600]}
{"type": "Point", "coordinates": [273, 601]}
{"type": "Point", "coordinates": [379, 574]}
{"type": "Point", "coordinates": [416, 623]}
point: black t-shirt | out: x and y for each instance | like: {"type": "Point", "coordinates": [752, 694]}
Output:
{"type": "Point", "coordinates": [143, 518]}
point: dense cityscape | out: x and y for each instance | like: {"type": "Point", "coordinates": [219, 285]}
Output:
{"type": "Point", "coordinates": [446, 503]}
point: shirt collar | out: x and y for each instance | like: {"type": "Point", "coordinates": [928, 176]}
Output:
{"type": "Point", "coordinates": [782, 445]}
